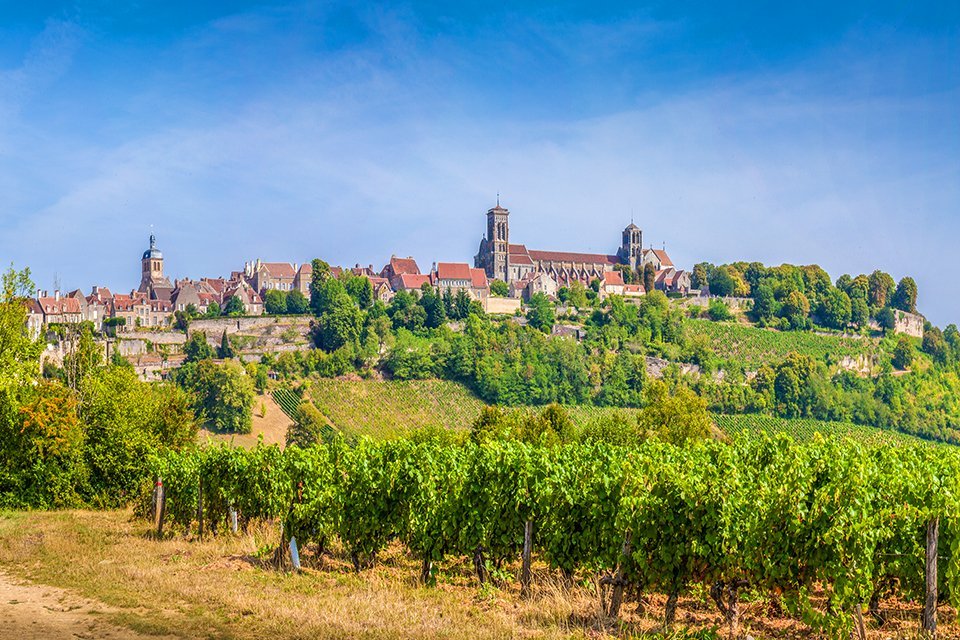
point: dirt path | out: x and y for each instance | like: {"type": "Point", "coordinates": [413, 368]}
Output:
{"type": "Point", "coordinates": [36, 612]}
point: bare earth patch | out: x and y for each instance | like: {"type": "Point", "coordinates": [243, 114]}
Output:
{"type": "Point", "coordinates": [271, 423]}
{"type": "Point", "coordinates": [34, 612]}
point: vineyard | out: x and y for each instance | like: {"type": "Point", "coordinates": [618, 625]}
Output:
{"type": "Point", "coordinates": [823, 528]}
{"type": "Point", "coordinates": [753, 346]}
{"type": "Point", "coordinates": [801, 429]}
{"type": "Point", "coordinates": [388, 408]}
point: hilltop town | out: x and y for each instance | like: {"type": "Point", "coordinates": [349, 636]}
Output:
{"type": "Point", "coordinates": [524, 272]}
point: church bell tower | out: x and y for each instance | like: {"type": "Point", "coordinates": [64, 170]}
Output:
{"type": "Point", "coordinates": [498, 243]}
{"type": "Point", "coordinates": [151, 268]}
{"type": "Point", "coordinates": [631, 248]}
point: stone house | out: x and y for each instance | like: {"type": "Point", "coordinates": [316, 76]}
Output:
{"type": "Point", "coordinates": [452, 276]}
{"type": "Point", "coordinates": [533, 284]}
{"type": "Point", "coordinates": [266, 276]}
{"type": "Point", "coordinates": [398, 267]}
{"type": "Point", "coordinates": [611, 284]}
{"type": "Point", "coordinates": [301, 281]}
{"type": "Point", "coordinates": [411, 281]}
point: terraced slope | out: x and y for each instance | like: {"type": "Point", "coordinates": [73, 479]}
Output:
{"type": "Point", "coordinates": [754, 346]}
{"type": "Point", "coordinates": [803, 429]}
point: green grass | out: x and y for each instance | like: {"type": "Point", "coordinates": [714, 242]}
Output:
{"type": "Point", "coordinates": [390, 408]}
{"type": "Point", "coordinates": [753, 346]}
{"type": "Point", "coordinates": [737, 426]}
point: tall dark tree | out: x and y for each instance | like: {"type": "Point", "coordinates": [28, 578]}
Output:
{"type": "Point", "coordinates": [226, 349]}
{"type": "Point", "coordinates": [905, 296]}
{"type": "Point", "coordinates": [432, 304]}
{"type": "Point", "coordinates": [649, 277]}
{"type": "Point", "coordinates": [318, 278]}
{"type": "Point", "coordinates": [881, 287]}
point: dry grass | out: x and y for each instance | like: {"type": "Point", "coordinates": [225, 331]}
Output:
{"type": "Point", "coordinates": [224, 588]}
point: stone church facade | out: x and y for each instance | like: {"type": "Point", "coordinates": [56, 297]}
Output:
{"type": "Point", "coordinates": [514, 263]}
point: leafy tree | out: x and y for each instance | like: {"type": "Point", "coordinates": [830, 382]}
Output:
{"type": "Point", "coordinates": [196, 347]}
{"type": "Point", "coordinates": [905, 296]}
{"type": "Point", "coordinates": [859, 312]}
{"type": "Point", "coordinates": [84, 356]}
{"type": "Point", "coordinates": [649, 276]}
{"type": "Point", "coordinates": [318, 291]}
{"type": "Point", "coordinates": [234, 307]}
{"type": "Point", "coordinates": [41, 450]}
{"type": "Point", "coordinates": [223, 394]}
{"type": "Point", "coordinates": [275, 302]}
{"type": "Point", "coordinates": [297, 303]}
{"type": "Point", "coordinates": [719, 311]}
{"type": "Point", "coordinates": [722, 282]}
{"type": "Point", "coordinates": [213, 310]}
{"type": "Point", "coordinates": [765, 305]}
{"type": "Point", "coordinates": [226, 349]}
{"type": "Point", "coordinates": [699, 278]}
{"type": "Point", "coordinates": [499, 288]}
{"type": "Point", "coordinates": [307, 429]}
{"type": "Point", "coordinates": [676, 418]}
{"type": "Point", "coordinates": [835, 308]}
{"type": "Point", "coordinates": [577, 295]}
{"type": "Point", "coordinates": [934, 345]}
{"type": "Point", "coordinates": [181, 321]}
{"type": "Point", "coordinates": [340, 322]}
{"type": "Point", "coordinates": [405, 312]}
{"type": "Point", "coordinates": [359, 288]}
{"type": "Point", "coordinates": [795, 309]}
{"type": "Point", "coordinates": [19, 352]}
{"type": "Point", "coordinates": [887, 319]}
{"type": "Point", "coordinates": [903, 353]}
{"type": "Point", "coordinates": [881, 287]}
{"type": "Point", "coordinates": [540, 315]}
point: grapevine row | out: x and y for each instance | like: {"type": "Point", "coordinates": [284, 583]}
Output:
{"type": "Point", "coordinates": [778, 516]}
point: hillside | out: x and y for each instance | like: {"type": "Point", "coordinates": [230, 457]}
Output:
{"type": "Point", "coordinates": [387, 408]}
{"type": "Point", "coordinates": [381, 408]}
{"type": "Point", "coordinates": [752, 346]}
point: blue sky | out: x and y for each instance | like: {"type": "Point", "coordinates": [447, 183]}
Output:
{"type": "Point", "coordinates": [781, 132]}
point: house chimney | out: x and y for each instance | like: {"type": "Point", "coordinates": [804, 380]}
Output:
{"type": "Point", "coordinates": [56, 295]}
{"type": "Point", "coordinates": [39, 294]}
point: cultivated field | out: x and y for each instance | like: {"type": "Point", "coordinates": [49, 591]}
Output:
{"type": "Point", "coordinates": [123, 584]}
{"type": "Point", "coordinates": [753, 347]}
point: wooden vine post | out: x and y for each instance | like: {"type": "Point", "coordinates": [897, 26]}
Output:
{"type": "Point", "coordinates": [930, 605]}
{"type": "Point", "coordinates": [200, 508]}
{"type": "Point", "coordinates": [527, 551]}
{"type": "Point", "coordinates": [159, 506]}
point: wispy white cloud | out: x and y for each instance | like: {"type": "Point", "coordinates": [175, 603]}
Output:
{"type": "Point", "coordinates": [379, 153]}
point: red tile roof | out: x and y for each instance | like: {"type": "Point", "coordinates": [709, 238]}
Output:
{"type": "Point", "coordinates": [453, 271]}
{"type": "Point", "coordinates": [479, 278]}
{"type": "Point", "coordinates": [664, 259]}
{"type": "Point", "coordinates": [521, 258]}
{"type": "Point", "coordinates": [613, 278]}
{"type": "Point", "coordinates": [634, 288]}
{"type": "Point", "coordinates": [63, 305]}
{"type": "Point", "coordinates": [564, 256]}
{"type": "Point", "coordinates": [403, 265]}
{"type": "Point", "coordinates": [279, 269]}
{"type": "Point", "coordinates": [516, 248]}
{"type": "Point", "coordinates": [413, 280]}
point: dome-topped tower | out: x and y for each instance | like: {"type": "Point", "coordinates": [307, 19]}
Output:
{"type": "Point", "coordinates": [151, 269]}
{"type": "Point", "coordinates": [153, 252]}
